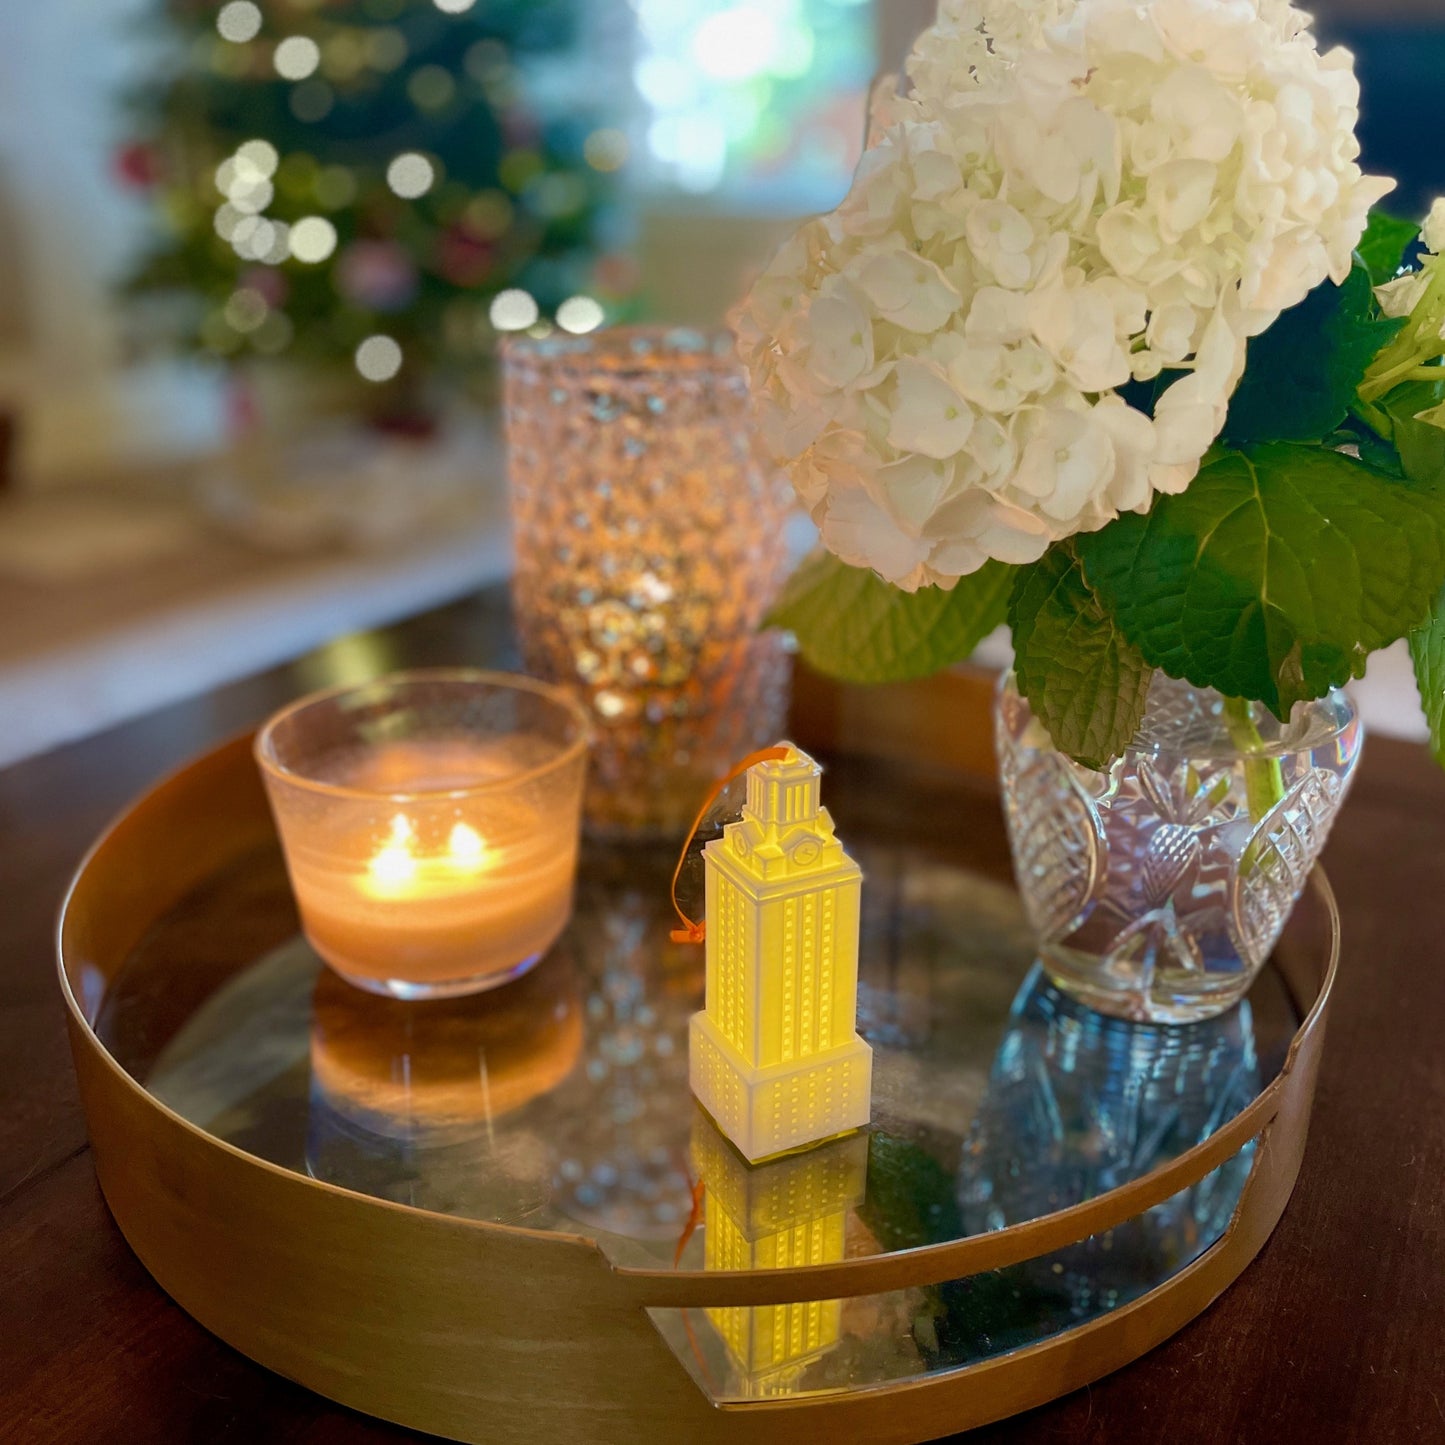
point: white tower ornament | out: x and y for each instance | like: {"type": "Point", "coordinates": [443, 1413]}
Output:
{"type": "Point", "coordinates": [775, 1056]}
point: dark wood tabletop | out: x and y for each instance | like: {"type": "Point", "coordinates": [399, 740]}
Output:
{"type": "Point", "coordinates": [1333, 1335]}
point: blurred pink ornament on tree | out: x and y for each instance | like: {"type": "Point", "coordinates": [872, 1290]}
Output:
{"type": "Point", "coordinates": [464, 258]}
{"type": "Point", "coordinates": [138, 165]}
{"type": "Point", "coordinates": [377, 275]}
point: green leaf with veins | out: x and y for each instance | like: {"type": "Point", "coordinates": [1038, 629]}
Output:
{"type": "Point", "coordinates": [1382, 248]}
{"type": "Point", "coordinates": [853, 625]}
{"type": "Point", "coordinates": [1275, 575]}
{"type": "Point", "coordinates": [1304, 372]}
{"type": "Point", "coordinates": [1427, 650]}
{"type": "Point", "coordinates": [1083, 679]}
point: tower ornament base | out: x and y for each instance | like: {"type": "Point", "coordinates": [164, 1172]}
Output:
{"type": "Point", "coordinates": [775, 1056]}
{"type": "Point", "coordinates": [771, 1110]}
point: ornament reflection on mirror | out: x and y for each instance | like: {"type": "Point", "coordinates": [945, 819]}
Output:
{"type": "Point", "coordinates": [775, 1057]}
{"type": "Point", "coordinates": [788, 1212]}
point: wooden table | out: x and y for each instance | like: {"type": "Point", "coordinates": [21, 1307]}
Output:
{"type": "Point", "coordinates": [1333, 1335]}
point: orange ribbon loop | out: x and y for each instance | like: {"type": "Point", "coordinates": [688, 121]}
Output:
{"type": "Point", "coordinates": [694, 932]}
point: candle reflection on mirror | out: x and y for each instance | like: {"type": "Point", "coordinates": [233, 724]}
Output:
{"type": "Point", "coordinates": [405, 1096]}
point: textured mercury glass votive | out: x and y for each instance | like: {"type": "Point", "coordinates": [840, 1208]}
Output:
{"type": "Point", "coordinates": [650, 543]}
{"type": "Point", "coordinates": [430, 825]}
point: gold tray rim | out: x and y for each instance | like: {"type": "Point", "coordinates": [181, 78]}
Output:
{"type": "Point", "coordinates": [127, 1123]}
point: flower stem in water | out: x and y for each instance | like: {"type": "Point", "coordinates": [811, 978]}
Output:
{"type": "Point", "coordinates": [1263, 777]}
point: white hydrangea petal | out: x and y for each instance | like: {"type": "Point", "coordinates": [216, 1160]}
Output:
{"type": "Point", "coordinates": [1433, 231]}
{"type": "Point", "coordinates": [838, 335]}
{"type": "Point", "coordinates": [929, 415]}
{"type": "Point", "coordinates": [1402, 295]}
{"type": "Point", "coordinates": [908, 290]}
{"type": "Point", "coordinates": [1180, 194]}
{"type": "Point", "coordinates": [855, 528]}
{"type": "Point", "coordinates": [911, 490]}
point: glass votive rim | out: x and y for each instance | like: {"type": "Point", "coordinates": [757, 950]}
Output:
{"type": "Point", "coordinates": [629, 351]}
{"type": "Point", "coordinates": [272, 765]}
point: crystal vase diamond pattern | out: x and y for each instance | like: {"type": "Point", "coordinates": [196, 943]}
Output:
{"type": "Point", "coordinates": [1158, 888]}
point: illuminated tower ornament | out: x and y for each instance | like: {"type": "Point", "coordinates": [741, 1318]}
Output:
{"type": "Point", "coordinates": [775, 1056]}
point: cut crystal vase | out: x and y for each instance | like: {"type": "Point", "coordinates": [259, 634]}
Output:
{"type": "Point", "coordinates": [1158, 888]}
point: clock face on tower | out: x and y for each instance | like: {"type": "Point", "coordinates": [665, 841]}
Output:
{"type": "Point", "coordinates": [805, 852]}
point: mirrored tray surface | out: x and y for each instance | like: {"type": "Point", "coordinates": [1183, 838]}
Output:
{"type": "Point", "coordinates": [560, 1103]}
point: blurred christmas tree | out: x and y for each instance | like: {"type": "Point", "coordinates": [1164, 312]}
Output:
{"type": "Point", "coordinates": [370, 184]}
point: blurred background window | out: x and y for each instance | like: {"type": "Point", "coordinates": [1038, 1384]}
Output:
{"type": "Point", "coordinates": [758, 103]}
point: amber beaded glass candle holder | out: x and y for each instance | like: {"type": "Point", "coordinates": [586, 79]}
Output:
{"type": "Point", "coordinates": [430, 823]}
{"type": "Point", "coordinates": [650, 544]}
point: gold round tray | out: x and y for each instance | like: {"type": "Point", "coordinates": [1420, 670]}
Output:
{"type": "Point", "coordinates": [506, 1220]}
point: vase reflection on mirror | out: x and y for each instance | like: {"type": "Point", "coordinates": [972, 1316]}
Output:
{"type": "Point", "coordinates": [1079, 1103]}
{"type": "Point", "coordinates": [777, 1215]}
{"type": "Point", "coordinates": [621, 1160]}
{"type": "Point", "coordinates": [404, 1096]}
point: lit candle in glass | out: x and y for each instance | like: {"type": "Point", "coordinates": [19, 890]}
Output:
{"type": "Point", "coordinates": [430, 825]}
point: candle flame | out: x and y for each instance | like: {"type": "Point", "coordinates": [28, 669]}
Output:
{"type": "Point", "coordinates": [468, 848]}
{"type": "Point", "coordinates": [395, 867]}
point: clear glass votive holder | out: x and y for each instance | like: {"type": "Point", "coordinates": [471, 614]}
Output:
{"type": "Point", "coordinates": [430, 824]}
{"type": "Point", "coordinates": [650, 543]}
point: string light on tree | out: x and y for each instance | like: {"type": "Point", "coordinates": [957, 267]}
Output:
{"type": "Point", "coordinates": [296, 57]}
{"type": "Point", "coordinates": [378, 358]}
{"type": "Point", "coordinates": [580, 314]}
{"type": "Point", "coordinates": [239, 21]}
{"type": "Point", "coordinates": [260, 155]}
{"type": "Point", "coordinates": [514, 310]}
{"type": "Point", "coordinates": [351, 195]}
{"type": "Point", "coordinates": [410, 175]}
{"type": "Point", "coordinates": [312, 239]}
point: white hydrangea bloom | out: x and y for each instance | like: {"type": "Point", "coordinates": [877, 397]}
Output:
{"type": "Point", "coordinates": [1074, 195]}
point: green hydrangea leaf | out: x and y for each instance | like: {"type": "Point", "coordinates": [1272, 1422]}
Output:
{"type": "Point", "coordinates": [1419, 441]}
{"type": "Point", "coordinates": [1276, 574]}
{"type": "Point", "coordinates": [1382, 247]}
{"type": "Point", "coordinates": [1303, 373]}
{"type": "Point", "coordinates": [1427, 649]}
{"type": "Point", "coordinates": [1083, 679]}
{"type": "Point", "coordinates": [853, 625]}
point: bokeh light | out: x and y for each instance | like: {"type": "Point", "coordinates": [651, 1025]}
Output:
{"type": "Point", "coordinates": [410, 175]}
{"type": "Point", "coordinates": [736, 44]}
{"type": "Point", "coordinates": [296, 57]}
{"type": "Point", "coordinates": [335, 187]}
{"type": "Point", "coordinates": [513, 310]}
{"type": "Point", "coordinates": [489, 214]}
{"type": "Point", "coordinates": [431, 87]}
{"type": "Point", "coordinates": [378, 358]}
{"type": "Point", "coordinates": [239, 21]}
{"type": "Point", "coordinates": [260, 155]}
{"type": "Point", "coordinates": [580, 314]}
{"type": "Point", "coordinates": [454, 7]}
{"type": "Point", "coordinates": [312, 239]}
{"type": "Point", "coordinates": [605, 150]}
{"type": "Point", "coordinates": [758, 97]}
{"type": "Point", "coordinates": [245, 309]}
{"type": "Point", "coordinates": [386, 48]}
